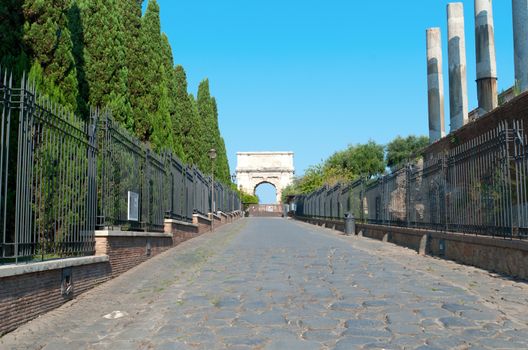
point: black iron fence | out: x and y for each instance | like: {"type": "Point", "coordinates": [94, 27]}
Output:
{"type": "Point", "coordinates": [479, 187]}
{"type": "Point", "coordinates": [61, 177]}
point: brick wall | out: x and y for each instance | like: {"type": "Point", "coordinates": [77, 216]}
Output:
{"type": "Point", "coordinates": [24, 297]}
{"type": "Point", "coordinates": [126, 252]}
{"type": "Point", "coordinates": [203, 223]}
{"type": "Point", "coordinates": [509, 257]}
{"type": "Point", "coordinates": [181, 231]}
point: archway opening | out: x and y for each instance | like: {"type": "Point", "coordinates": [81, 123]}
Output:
{"type": "Point", "coordinates": [267, 193]}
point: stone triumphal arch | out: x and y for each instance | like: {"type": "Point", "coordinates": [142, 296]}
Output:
{"type": "Point", "coordinates": [256, 168]}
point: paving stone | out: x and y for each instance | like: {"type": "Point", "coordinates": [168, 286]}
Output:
{"type": "Point", "coordinates": [61, 345]}
{"type": "Point", "coordinates": [434, 313]}
{"type": "Point", "coordinates": [367, 332]}
{"type": "Point", "coordinates": [266, 318]}
{"type": "Point", "coordinates": [225, 302]}
{"type": "Point", "coordinates": [321, 323]}
{"type": "Point", "coordinates": [479, 315]}
{"type": "Point", "coordinates": [172, 346]}
{"type": "Point", "coordinates": [405, 329]}
{"type": "Point", "coordinates": [375, 303]}
{"type": "Point", "coordinates": [477, 333]}
{"type": "Point", "coordinates": [350, 342]}
{"type": "Point", "coordinates": [403, 317]}
{"type": "Point", "coordinates": [292, 344]}
{"type": "Point", "coordinates": [254, 305]}
{"type": "Point", "coordinates": [456, 307]}
{"type": "Point", "coordinates": [456, 322]}
{"type": "Point", "coordinates": [245, 340]}
{"type": "Point", "coordinates": [495, 343]}
{"type": "Point", "coordinates": [362, 324]}
{"type": "Point", "coordinates": [224, 314]}
{"type": "Point", "coordinates": [344, 306]}
{"type": "Point", "coordinates": [234, 332]}
{"type": "Point", "coordinates": [266, 282]}
{"type": "Point", "coordinates": [408, 342]}
{"type": "Point", "coordinates": [428, 347]}
{"type": "Point", "coordinates": [449, 342]}
{"type": "Point", "coordinates": [319, 335]}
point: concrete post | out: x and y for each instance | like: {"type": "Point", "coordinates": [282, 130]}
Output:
{"type": "Point", "coordinates": [435, 85]}
{"type": "Point", "coordinates": [486, 61]}
{"type": "Point", "coordinates": [458, 98]}
{"type": "Point", "coordinates": [520, 41]}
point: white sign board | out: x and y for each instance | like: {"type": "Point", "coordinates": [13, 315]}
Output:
{"type": "Point", "coordinates": [133, 206]}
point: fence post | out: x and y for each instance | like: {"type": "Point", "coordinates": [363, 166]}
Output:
{"type": "Point", "coordinates": [444, 172]}
{"type": "Point", "coordinates": [92, 169]}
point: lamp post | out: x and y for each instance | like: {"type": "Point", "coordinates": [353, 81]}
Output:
{"type": "Point", "coordinates": [212, 156]}
{"type": "Point", "coordinates": [233, 180]}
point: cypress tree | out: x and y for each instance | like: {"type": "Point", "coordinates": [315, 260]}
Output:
{"type": "Point", "coordinates": [194, 150]}
{"type": "Point", "coordinates": [205, 113]}
{"type": "Point", "coordinates": [144, 101]}
{"type": "Point", "coordinates": [104, 58]}
{"type": "Point", "coordinates": [47, 41]}
{"type": "Point", "coordinates": [211, 138]}
{"type": "Point", "coordinates": [222, 171]}
{"type": "Point", "coordinates": [183, 118]}
{"type": "Point", "coordinates": [12, 29]}
{"type": "Point", "coordinates": [170, 79]}
{"type": "Point", "coordinates": [162, 137]}
{"type": "Point", "coordinates": [129, 12]}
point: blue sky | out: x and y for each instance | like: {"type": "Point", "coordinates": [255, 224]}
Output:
{"type": "Point", "coordinates": [315, 76]}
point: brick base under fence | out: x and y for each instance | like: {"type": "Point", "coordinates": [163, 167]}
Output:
{"type": "Point", "coordinates": [30, 290]}
{"type": "Point", "coordinates": [37, 288]}
{"type": "Point", "coordinates": [503, 256]}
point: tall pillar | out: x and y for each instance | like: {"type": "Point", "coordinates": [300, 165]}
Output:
{"type": "Point", "coordinates": [458, 98]}
{"type": "Point", "coordinates": [520, 41]}
{"type": "Point", "coordinates": [435, 85]}
{"type": "Point", "coordinates": [486, 61]}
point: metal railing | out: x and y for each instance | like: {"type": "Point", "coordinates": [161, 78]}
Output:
{"type": "Point", "coordinates": [479, 187]}
{"type": "Point", "coordinates": [61, 177]}
{"type": "Point", "coordinates": [52, 184]}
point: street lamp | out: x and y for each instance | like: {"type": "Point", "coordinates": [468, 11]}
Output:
{"type": "Point", "coordinates": [212, 156]}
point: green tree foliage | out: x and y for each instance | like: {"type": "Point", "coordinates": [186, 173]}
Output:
{"type": "Point", "coordinates": [357, 161]}
{"type": "Point", "coordinates": [312, 179]}
{"type": "Point", "coordinates": [222, 171]}
{"type": "Point", "coordinates": [176, 144]}
{"type": "Point", "coordinates": [105, 53]}
{"type": "Point", "coordinates": [209, 136]}
{"type": "Point", "coordinates": [145, 101]}
{"type": "Point", "coordinates": [129, 11]}
{"type": "Point", "coordinates": [48, 42]}
{"type": "Point", "coordinates": [195, 149]}
{"type": "Point", "coordinates": [404, 148]}
{"type": "Point", "coordinates": [205, 122]}
{"type": "Point", "coordinates": [184, 113]}
{"type": "Point", "coordinates": [162, 137]}
{"type": "Point", "coordinates": [103, 56]}
{"type": "Point", "coordinates": [12, 29]}
{"type": "Point", "coordinates": [363, 161]}
{"type": "Point", "coordinates": [247, 198]}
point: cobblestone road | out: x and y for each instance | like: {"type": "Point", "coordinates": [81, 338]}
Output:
{"type": "Point", "coordinates": [279, 284]}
